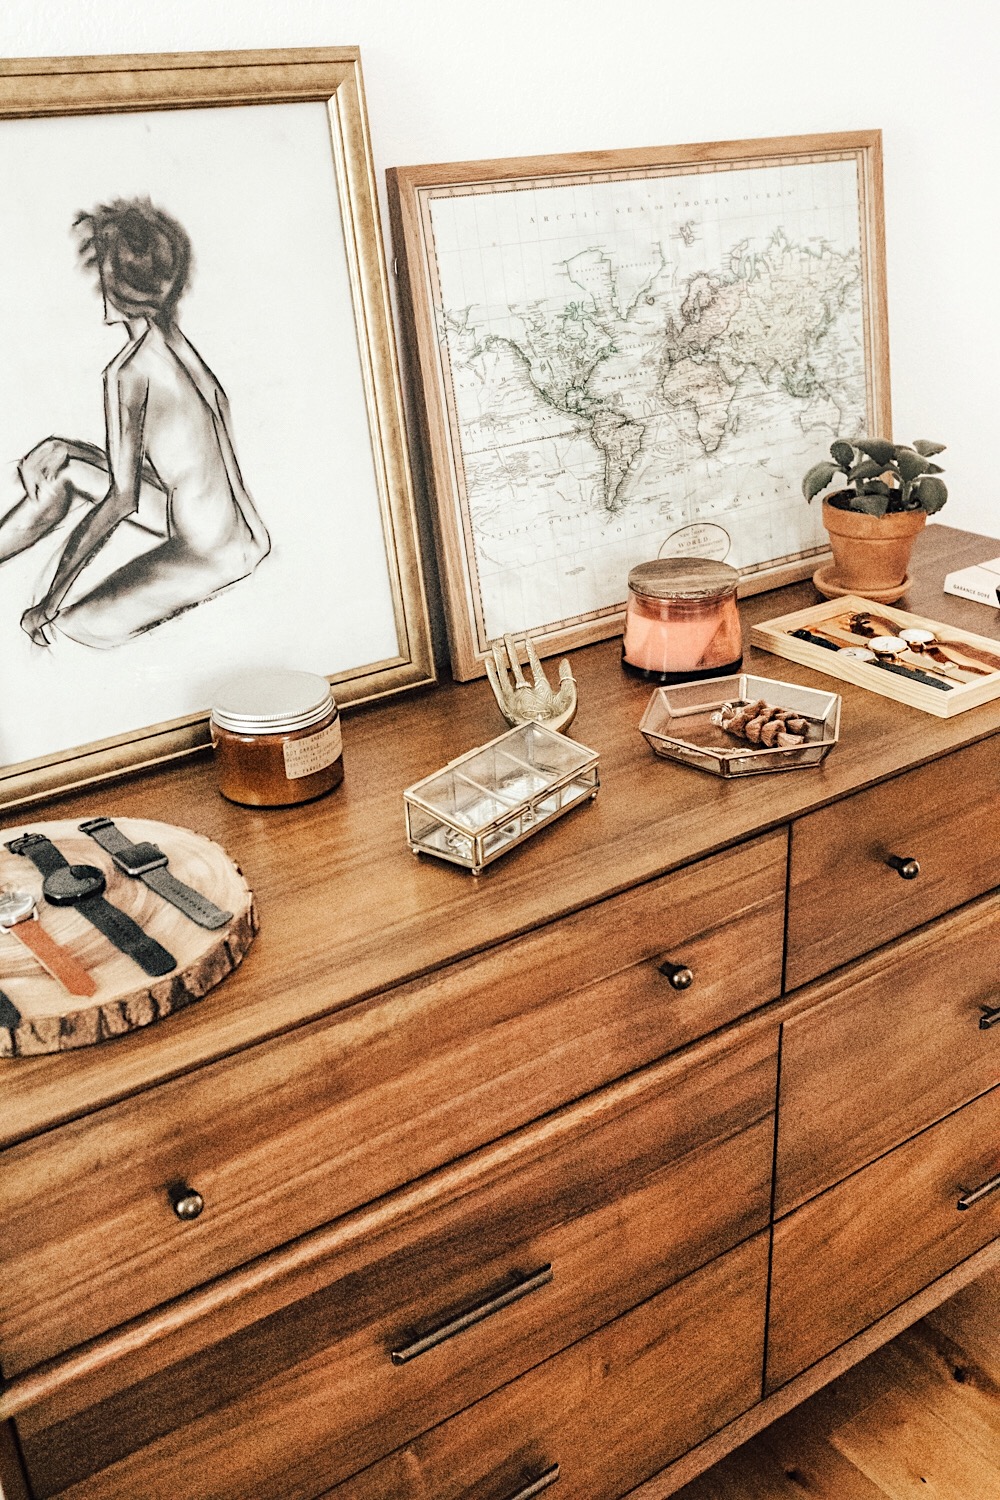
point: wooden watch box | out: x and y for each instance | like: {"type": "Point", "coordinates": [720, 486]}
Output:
{"type": "Point", "coordinates": [571, 1176]}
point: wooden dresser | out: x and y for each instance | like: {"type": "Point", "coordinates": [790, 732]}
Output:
{"type": "Point", "coordinates": [493, 1202]}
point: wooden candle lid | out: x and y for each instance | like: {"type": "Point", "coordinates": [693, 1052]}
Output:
{"type": "Point", "coordinates": [42, 1016]}
{"type": "Point", "coordinates": [683, 578]}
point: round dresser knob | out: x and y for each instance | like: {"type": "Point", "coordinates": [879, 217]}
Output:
{"type": "Point", "coordinates": [904, 865]}
{"type": "Point", "coordinates": [186, 1203]}
{"type": "Point", "coordinates": [679, 976]}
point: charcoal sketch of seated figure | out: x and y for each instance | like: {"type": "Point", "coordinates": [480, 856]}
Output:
{"type": "Point", "coordinates": [168, 474]}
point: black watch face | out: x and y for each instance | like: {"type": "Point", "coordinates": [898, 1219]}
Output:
{"type": "Point", "coordinates": [73, 883]}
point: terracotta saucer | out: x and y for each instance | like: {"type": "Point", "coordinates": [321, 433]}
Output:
{"type": "Point", "coordinates": [826, 584]}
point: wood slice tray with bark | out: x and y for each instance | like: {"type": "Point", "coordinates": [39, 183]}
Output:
{"type": "Point", "coordinates": [39, 1015]}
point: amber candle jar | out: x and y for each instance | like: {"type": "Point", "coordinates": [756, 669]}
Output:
{"type": "Point", "coordinates": [681, 620]}
{"type": "Point", "coordinates": [277, 738]}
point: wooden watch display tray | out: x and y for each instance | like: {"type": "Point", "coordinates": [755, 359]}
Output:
{"type": "Point", "coordinates": [834, 615]}
{"type": "Point", "coordinates": [41, 1016]}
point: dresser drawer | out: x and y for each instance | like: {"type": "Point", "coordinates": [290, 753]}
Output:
{"type": "Point", "coordinates": [845, 900]}
{"type": "Point", "coordinates": [599, 1208]}
{"type": "Point", "coordinates": [855, 1252]}
{"type": "Point", "coordinates": [295, 1132]}
{"type": "Point", "coordinates": [610, 1411]}
{"type": "Point", "coordinates": [894, 1046]}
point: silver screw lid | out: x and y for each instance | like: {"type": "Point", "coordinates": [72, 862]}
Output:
{"type": "Point", "coordinates": [272, 702]}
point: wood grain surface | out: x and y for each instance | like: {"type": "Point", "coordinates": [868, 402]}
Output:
{"type": "Point", "coordinates": [520, 1086]}
{"type": "Point", "coordinates": [326, 943]}
{"type": "Point", "coordinates": [887, 1049]}
{"type": "Point", "coordinates": [51, 1019]}
{"type": "Point", "coordinates": [919, 1418]}
{"type": "Point", "coordinates": [844, 899]}
{"type": "Point", "coordinates": [620, 1194]}
{"type": "Point", "coordinates": [679, 1365]}
{"type": "Point", "coordinates": [845, 1258]}
{"type": "Point", "coordinates": [292, 1133]}
{"type": "Point", "coordinates": [700, 1458]}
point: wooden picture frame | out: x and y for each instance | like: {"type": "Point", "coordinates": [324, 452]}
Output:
{"type": "Point", "coordinates": [631, 354]}
{"type": "Point", "coordinates": [937, 676]}
{"type": "Point", "coordinates": [268, 155]}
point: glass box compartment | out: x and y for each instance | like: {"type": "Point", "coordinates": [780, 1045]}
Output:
{"type": "Point", "coordinates": [497, 795]}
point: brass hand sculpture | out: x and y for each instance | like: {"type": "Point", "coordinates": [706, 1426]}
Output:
{"type": "Point", "coordinates": [521, 701]}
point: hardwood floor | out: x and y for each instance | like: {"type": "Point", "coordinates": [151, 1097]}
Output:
{"type": "Point", "coordinates": [917, 1420]}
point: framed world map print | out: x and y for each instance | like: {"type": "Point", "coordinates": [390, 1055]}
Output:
{"type": "Point", "coordinates": [635, 354]}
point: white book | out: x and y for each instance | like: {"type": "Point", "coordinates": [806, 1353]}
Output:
{"type": "Point", "coordinates": [981, 582]}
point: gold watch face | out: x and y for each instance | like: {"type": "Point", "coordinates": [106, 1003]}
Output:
{"type": "Point", "coordinates": [15, 906]}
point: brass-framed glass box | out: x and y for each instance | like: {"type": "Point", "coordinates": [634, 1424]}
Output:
{"type": "Point", "coordinates": [482, 804]}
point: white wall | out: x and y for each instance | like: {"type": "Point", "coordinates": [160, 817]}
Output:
{"type": "Point", "coordinates": [454, 79]}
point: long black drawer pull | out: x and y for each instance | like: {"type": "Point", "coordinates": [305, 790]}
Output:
{"type": "Point", "coordinates": [537, 1485]}
{"type": "Point", "coordinates": [514, 1293]}
{"type": "Point", "coordinates": [977, 1195]}
{"type": "Point", "coordinates": [989, 1018]}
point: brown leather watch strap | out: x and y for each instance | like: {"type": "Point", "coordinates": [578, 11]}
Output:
{"type": "Point", "coordinates": [53, 957]}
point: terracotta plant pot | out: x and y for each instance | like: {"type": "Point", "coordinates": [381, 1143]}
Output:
{"type": "Point", "coordinates": [871, 554]}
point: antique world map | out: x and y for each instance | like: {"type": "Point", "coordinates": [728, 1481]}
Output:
{"type": "Point", "coordinates": [642, 366]}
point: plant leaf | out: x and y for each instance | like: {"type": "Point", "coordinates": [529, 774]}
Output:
{"type": "Point", "coordinates": [926, 449]}
{"type": "Point", "coordinates": [872, 505]}
{"type": "Point", "coordinates": [931, 492]}
{"type": "Point", "coordinates": [934, 469]}
{"type": "Point", "coordinates": [867, 469]}
{"type": "Point", "coordinates": [910, 463]}
{"type": "Point", "coordinates": [877, 448]}
{"type": "Point", "coordinates": [876, 487]}
{"type": "Point", "coordinates": [843, 453]}
{"type": "Point", "coordinates": [818, 478]}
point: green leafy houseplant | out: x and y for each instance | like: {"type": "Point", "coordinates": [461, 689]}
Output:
{"type": "Point", "coordinates": [883, 478]}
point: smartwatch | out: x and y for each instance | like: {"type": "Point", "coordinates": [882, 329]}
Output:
{"type": "Point", "coordinates": [148, 863]}
{"type": "Point", "coordinates": [19, 917]}
{"type": "Point", "coordinates": [83, 886]}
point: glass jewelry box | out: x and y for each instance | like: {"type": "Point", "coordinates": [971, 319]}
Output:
{"type": "Point", "coordinates": [497, 795]}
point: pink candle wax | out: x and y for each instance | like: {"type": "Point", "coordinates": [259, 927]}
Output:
{"type": "Point", "coordinates": [681, 620]}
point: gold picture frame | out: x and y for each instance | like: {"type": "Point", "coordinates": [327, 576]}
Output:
{"type": "Point", "coordinates": [188, 94]}
{"type": "Point", "coordinates": [577, 417]}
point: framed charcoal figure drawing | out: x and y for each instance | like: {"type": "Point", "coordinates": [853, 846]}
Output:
{"type": "Point", "coordinates": [635, 354]}
{"type": "Point", "coordinates": [202, 460]}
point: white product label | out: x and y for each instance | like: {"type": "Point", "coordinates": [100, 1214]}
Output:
{"type": "Point", "coordinates": [315, 753]}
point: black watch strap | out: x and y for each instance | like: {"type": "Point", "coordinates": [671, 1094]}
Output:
{"type": "Point", "coordinates": [116, 926]}
{"type": "Point", "coordinates": [127, 935]}
{"type": "Point", "coordinates": [148, 863]}
{"type": "Point", "coordinates": [41, 851]}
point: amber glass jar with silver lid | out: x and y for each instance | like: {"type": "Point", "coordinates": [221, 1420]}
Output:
{"type": "Point", "coordinates": [277, 738]}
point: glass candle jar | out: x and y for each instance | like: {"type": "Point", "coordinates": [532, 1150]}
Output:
{"type": "Point", "coordinates": [681, 620]}
{"type": "Point", "coordinates": [277, 738]}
